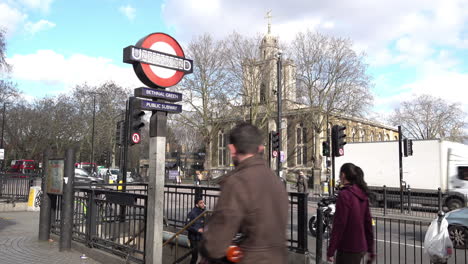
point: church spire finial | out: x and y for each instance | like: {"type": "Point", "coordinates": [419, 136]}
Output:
{"type": "Point", "coordinates": [268, 16]}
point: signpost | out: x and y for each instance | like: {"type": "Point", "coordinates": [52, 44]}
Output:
{"type": "Point", "coordinates": [159, 62]}
{"type": "Point", "coordinates": [2, 154]}
{"type": "Point", "coordinates": [54, 174]}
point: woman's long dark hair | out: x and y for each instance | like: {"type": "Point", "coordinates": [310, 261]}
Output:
{"type": "Point", "coordinates": [355, 175]}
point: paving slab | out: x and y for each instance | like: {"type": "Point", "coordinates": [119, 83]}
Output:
{"type": "Point", "coordinates": [19, 243]}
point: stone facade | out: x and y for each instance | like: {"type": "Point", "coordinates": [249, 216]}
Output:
{"type": "Point", "coordinates": [260, 81]}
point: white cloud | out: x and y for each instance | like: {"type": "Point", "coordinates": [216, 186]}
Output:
{"type": "Point", "coordinates": [128, 11]}
{"type": "Point", "coordinates": [33, 28]}
{"type": "Point", "coordinates": [42, 5]}
{"type": "Point", "coordinates": [10, 18]}
{"type": "Point", "coordinates": [448, 85]}
{"type": "Point", "coordinates": [49, 67]}
{"type": "Point", "coordinates": [373, 24]}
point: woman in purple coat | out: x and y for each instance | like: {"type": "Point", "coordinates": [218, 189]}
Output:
{"type": "Point", "coordinates": [352, 235]}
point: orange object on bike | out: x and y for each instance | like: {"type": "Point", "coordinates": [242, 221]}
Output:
{"type": "Point", "coordinates": [234, 254]}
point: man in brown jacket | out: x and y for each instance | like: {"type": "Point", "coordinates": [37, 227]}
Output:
{"type": "Point", "coordinates": [253, 201]}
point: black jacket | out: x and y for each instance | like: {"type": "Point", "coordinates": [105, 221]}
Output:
{"type": "Point", "coordinates": [193, 233]}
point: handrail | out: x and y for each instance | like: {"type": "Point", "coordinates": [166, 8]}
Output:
{"type": "Point", "coordinates": [186, 227]}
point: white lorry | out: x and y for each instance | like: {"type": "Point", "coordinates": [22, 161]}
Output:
{"type": "Point", "coordinates": [434, 164]}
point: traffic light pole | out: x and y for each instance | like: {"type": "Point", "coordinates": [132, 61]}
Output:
{"type": "Point", "coordinates": [400, 161]}
{"type": "Point", "coordinates": [278, 122]}
{"type": "Point", "coordinates": [331, 188]}
{"type": "Point", "coordinates": [123, 165]}
{"type": "Point", "coordinates": [3, 131]}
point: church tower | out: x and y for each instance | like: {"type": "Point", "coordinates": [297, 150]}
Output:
{"type": "Point", "coordinates": [260, 77]}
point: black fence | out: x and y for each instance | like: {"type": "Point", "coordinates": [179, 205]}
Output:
{"type": "Point", "coordinates": [108, 217]}
{"type": "Point", "coordinates": [396, 241]}
{"type": "Point", "coordinates": [15, 187]}
{"type": "Point", "coordinates": [387, 202]}
{"type": "Point", "coordinates": [113, 218]}
{"type": "Point", "coordinates": [180, 199]}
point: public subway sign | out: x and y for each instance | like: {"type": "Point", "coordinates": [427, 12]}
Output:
{"type": "Point", "coordinates": [158, 60]}
{"type": "Point", "coordinates": [158, 94]}
{"type": "Point", "coordinates": [158, 106]}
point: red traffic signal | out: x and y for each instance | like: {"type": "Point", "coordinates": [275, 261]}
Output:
{"type": "Point", "coordinates": [338, 140]}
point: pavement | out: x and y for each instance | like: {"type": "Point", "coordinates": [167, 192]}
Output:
{"type": "Point", "coordinates": [19, 243]}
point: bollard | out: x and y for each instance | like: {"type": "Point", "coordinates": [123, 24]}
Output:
{"type": "Point", "coordinates": [319, 236]}
{"type": "Point", "coordinates": [66, 221]}
{"type": "Point", "coordinates": [385, 199]}
{"type": "Point", "coordinates": [46, 203]}
{"type": "Point", "coordinates": [439, 199]}
{"type": "Point", "coordinates": [409, 199]}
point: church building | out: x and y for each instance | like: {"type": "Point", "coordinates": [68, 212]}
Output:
{"type": "Point", "coordinates": [301, 145]}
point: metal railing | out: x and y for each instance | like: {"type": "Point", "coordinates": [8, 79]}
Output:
{"type": "Point", "coordinates": [182, 231]}
{"type": "Point", "coordinates": [108, 219]}
{"type": "Point", "coordinates": [179, 200]}
{"type": "Point", "coordinates": [398, 241]}
{"type": "Point", "coordinates": [15, 187]}
{"type": "Point", "coordinates": [426, 204]}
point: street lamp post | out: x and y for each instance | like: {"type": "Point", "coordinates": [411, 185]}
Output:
{"type": "Point", "coordinates": [92, 135]}
{"type": "Point", "coordinates": [3, 131]}
{"type": "Point", "coordinates": [279, 105]}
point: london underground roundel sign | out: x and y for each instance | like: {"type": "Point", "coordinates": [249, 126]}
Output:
{"type": "Point", "coordinates": [158, 60]}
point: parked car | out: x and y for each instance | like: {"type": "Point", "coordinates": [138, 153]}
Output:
{"type": "Point", "coordinates": [458, 227]}
{"type": "Point", "coordinates": [82, 176]}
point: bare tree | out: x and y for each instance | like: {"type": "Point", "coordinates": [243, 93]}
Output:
{"type": "Point", "coordinates": [428, 117]}
{"type": "Point", "coordinates": [4, 66]}
{"type": "Point", "coordinates": [8, 91]}
{"type": "Point", "coordinates": [205, 91]}
{"type": "Point", "coordinates": [190, 140]}
{"type": "Point", "coordinates": [331, 80]}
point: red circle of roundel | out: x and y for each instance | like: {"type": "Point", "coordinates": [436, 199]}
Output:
{"type": "Point", "coordinates": [146, 43]}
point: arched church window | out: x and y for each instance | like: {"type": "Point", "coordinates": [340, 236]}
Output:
{"type": "Point", "coordinates": [262, 93]}
{"type": "Point", "coordinates": [362, 135]}
{"type": "Point", "coordinates": [301, 145]}
{"type": "Point", "coordinates": [353, 135]}
{"type": "Point", "coordinates": [222, 154]}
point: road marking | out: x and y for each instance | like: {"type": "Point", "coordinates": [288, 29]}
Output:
{"type": "Point", "coordinates": [394, 242]}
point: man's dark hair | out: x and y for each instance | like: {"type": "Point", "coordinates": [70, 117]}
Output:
{"type": "Point", "coordinates": [246, 138]}
{"type": "Point", "coordinates": [198, 199]}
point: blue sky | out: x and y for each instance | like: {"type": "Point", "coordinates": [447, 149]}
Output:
{"type": "Point", "coordinates": [412, 47]}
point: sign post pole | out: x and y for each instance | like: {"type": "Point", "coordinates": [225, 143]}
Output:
{"type": "Point", "coordinates": [157, 156]}
{"type": "Point", "coordinates": [158, 68]}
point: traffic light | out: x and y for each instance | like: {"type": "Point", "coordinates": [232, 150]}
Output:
{"type": "Point", "coordinates": [326, 149]}
{"type": "Point", "coordinates": [120, 133]}
{"type": "Point", "coordinates": [407, 147]}
{"type": "Point", "coordinates": [135, 122]}
{"type": "Point", "coordinates": [274, 135]}
{"type": "Point", "coordinates": [338, 140]}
